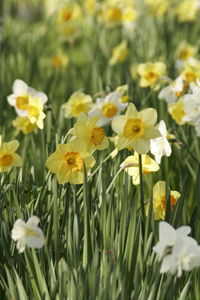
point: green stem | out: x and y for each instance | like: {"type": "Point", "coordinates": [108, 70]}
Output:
{"type": "Point", "coordinates": [142, 193]}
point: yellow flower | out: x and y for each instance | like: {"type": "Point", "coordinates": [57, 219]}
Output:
{"type": "Point", "coordinates": [186, 11]}
{"type": "Point", "coordinates": [177, 111]}
{"type": "Point", "coordinates": [112, 14]}
{"type": "Point", "coordinates": [24, 124]}
{"type": "Point", "coordinates": [69, 12]}
{"type": "Point", "coordinates": [131, 166]}
{"type": "Point", "coordinates": [159, 199]}
{"type": "Point", "coordinates": [91, 136]}
{"type": "Point", "coordinates": [158, 7]}
{"type": "Point", "coordinates": [191, 70]}
{"type": "Point", "coordinates": [119, 53]}
{"type": "Point", "coordinates": [35, 112]}
{"type": "Point", "coordinates": [60, 60]}
{"type": "Point", "coordinates": [135, 129]}
{"type": "Point", "coordinates": [185, 50]}
{"type": "Point", "coordinates": [8, 157]}
{"type": "Point", "coordinates": [76, 104]}
{"type": "Point", "coordinates": [150, 73]}
{"type": "Point", "coordinates": [68, 161]}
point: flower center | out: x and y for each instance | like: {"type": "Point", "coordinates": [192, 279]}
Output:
{"type": "Point", "coordinates": [97, 135]}
{"type": "Point", "coordinates": [151, 76]}
{"type": "Point", "coordinates": [29, 232]}
{"type": "Point", "coordinates": [172, 202]}
{"type": "Point", "coordinates": [66, 14]}
{"type": "Point", "coordinates": [109, 110]}
{"type": "Point", "coordinates": [56, 61]}
{"type": "Point", "coordinates": [33, 112]}
{"type": "Point", "coordinates": [22, 102]}
{"type": "Point", "coordinates": [134, 128]}
{"type": "Point", "coordinates": [74, 161]}
{"type": "Point", "coordinates": [189, 76]}
{"type": "Point", "coordinates": [6, 160]}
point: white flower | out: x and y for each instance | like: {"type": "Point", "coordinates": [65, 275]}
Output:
{"type": "Point", "coordinates": [168, 236]}
{"type": "Point", "coordinates": [28, 234]}
{"type": "Point", "coordinates": [176, 249]}
{"type": "Point", "coordinates": [171, 92]}
{"type": "Point", "coordinates": [185, 256]}
{"type": "Point", "coordinates": [107, 108]}
{"type": "Point", "coordinates": [160, 146]}
{"type": "Point", "coordinates": [21, 95]}
{"type": "Point", "coordinates": [192, 105]}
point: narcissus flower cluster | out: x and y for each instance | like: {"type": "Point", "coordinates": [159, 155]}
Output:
{"type": "Point", "coordinates": [29, 105]}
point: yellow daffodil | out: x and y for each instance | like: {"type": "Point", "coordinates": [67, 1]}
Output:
{"type": "Point", "coordinates": [60, 60]}
{"type": "Point", "coordinates": [76, 104]}
{"type": "Point", "coordinates": [185, 50]}
{"type": "Point", "coordinates": [68, 161]}
{"type": "Point", "coordinates": [159, 199]}
{"type": "Point", "coordinates": [35, 112]}
{"type": "Point", "coordinates": [186, 11]}
{"type": "Point", "coordinates": [69, 12]}
{"type": "Point", "coordinates": [135, 129]}
{"type": "Point", "coordinates": [91, 136]}
{"type": "Point", "coordinates": [131, 166]}
{"type": "Point", "coordinates": [119, 53]}
{"type": "Point", "coordinates": [24, 124]}
{"type": "Point", "coordinates": [177, 111]}
{"type": "Point", "coordinates": [111, 14]}
{"type": "Point", "coordinates": [8, 157]}
{"type": "Point", "coordinates": [150, 73]}
{"type": "Point", "coordinates": [191, 70]}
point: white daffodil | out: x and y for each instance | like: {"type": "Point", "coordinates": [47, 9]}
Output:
{"type": "Point", "coordinates": [107, 108]}
{"type": "Point", "coordinates": [185, 255]}
{"type": "Point", "coordinates": [21, 96]}
{"type": "Point", "coordinates": [167, 238]}
{"type": "Point", "coordinates": [174, 90]}
{"type": "Point", "coordinates": [192, 105]}
{"type": "Point", "coordinates": [160, 146]}
{"type": "Point", "coordinates": [28, 234]}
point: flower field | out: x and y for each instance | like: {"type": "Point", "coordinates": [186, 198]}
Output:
{"type": "Point", "coordinates": [100, 149]}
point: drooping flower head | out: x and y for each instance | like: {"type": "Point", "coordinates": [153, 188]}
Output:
{"type": "Point", "coordinates": [159, 199]}
{"type": "Point", "coordinates": [24, 124]}
{"type": "Point", "coordinates": [131, 166]}
{"type": "Point", "coordinates": [135, 129]}
{"type": "Point", "coordinates": [28, 234]}
{"type": "Point", "coordinates": [8, 157]}
{"type": "Point", "coordinates": [68, 161]}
